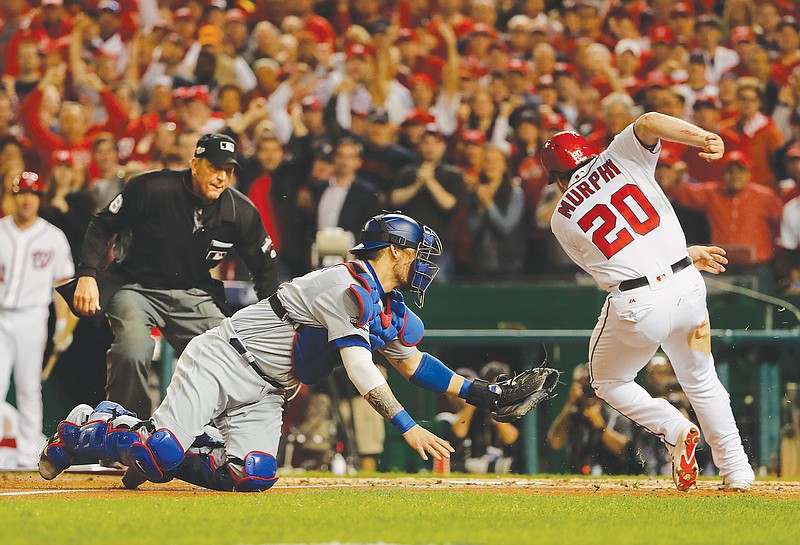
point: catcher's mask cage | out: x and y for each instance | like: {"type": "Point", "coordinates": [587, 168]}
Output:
{"type": "Point", "coordinates": [405, 232]}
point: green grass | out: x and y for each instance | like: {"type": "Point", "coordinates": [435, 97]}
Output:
{"type": "Point", "coordinates": [389, 516]}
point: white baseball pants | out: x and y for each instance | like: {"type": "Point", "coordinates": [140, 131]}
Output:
{"type": "Point", "coordinates": [672, 314]}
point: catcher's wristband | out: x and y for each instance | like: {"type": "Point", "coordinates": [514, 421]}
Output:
{"type": "Point", "coordinates": [403, 421]}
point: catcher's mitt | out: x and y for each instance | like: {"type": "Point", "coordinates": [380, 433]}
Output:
{"type": "Point", "coordinates": [523, 392]}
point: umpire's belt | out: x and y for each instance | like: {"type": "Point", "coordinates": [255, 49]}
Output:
{"type": "Point", "coordinates": [280, 312]}
{"type": "Point", "coordinates": [642, 280]}
{"type": "Point", "coordinates": [239, 347]}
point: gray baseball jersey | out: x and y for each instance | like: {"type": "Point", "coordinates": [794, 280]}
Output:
{"type": "Point", "coordinates": [212, 380]}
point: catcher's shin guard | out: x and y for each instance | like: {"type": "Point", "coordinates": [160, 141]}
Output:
{"type": "Point", "coordinates": [255, 473]}
{"type": "Point", "coordinates": [57, 454]}
{"type": "Point", "coordinates": [155, 456]}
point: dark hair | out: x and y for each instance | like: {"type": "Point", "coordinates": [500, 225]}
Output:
{"type": "Point", "coordinates": [348, 141]}
{"type": "Point", "coordinates": [103, 137]}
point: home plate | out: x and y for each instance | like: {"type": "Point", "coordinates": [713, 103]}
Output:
{"type": "Point", "coordinates": [94, 469]}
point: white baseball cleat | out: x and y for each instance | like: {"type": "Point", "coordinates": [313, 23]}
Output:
{"type": "Point", "coordinates": [738, 486]}
{"type": "Point", "coordinates": [684, 461]}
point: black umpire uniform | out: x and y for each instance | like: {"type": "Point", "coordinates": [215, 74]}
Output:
{"type": "Point", "coordinates": [167, 239]}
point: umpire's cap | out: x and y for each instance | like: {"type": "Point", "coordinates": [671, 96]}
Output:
{"type": "Point", "coordinates": [219, 149]}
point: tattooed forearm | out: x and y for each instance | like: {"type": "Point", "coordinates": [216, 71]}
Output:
{"type": "Point", "coordinates": [383, 401]}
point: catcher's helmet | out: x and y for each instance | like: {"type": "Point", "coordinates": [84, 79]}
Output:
{"type": "Point", "coordinates": [565, 151]}
{"type": "Point", "coordinates": [401, 230]}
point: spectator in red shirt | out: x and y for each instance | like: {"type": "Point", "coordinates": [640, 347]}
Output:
{"type": "Point", "coordinates": [754, 133]}
{"type": "Point", "coordinates": [49, 24]}
{"type": "Point", "coordinates": [76, 131]}
{"type": "Point", "coordinates": [743, 216]}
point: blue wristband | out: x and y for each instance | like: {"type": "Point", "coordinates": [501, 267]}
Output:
{"type": "Point", "coordinates": [403, 421]}
{"type": "Point", "coordinates": [465, 388]}
{"type": "Point", "coordinates": [432, 374]}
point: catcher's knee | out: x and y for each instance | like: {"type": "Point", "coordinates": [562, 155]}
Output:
{"type": "Point", "coordinates": [700, 339]}
{"type": "Point", "coordinates": [159, 453]}
{"type": "Point", "coordinates": [258, 472]}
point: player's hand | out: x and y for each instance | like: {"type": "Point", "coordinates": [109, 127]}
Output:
{"type": "Point", "coordinates": [424, 442]}
{"type": "Point", "coordinates": [87, 296]}
{"type": "Point", "coordinates": [713, 148]}
{"type": "Point", "coordinates": [709, 259]}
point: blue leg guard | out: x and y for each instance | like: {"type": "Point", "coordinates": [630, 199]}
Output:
{"type": "Point", "coordinates": [57, 454]}
{"type": "Point", "coordinates": [160, 453]}
{"type": "Point", "coordinates": [256, 473]}
{"type": "Point", "coordinates": [260, 471]}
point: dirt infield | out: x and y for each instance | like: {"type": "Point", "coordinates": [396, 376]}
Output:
{"type": "Point", "coordinates": [15, 485]}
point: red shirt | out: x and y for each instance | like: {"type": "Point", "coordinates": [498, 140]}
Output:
{"type": "Point", "coordinates": [760, 139]}
{"type": "Point", "coordinates": [748, 218]}
{"type": "Point", "coordinates": [259, 194]}
{"type": "Point", "coordinates": [47, 142]}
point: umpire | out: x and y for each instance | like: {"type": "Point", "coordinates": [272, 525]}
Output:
{"type": "Point", "coordinates": [171, 228]}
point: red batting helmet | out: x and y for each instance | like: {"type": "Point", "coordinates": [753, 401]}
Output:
{"type": "Point", "coordinates": [565, 151]}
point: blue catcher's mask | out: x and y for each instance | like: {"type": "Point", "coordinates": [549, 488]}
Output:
{"type": "Point", "coordinates": [401, 230]}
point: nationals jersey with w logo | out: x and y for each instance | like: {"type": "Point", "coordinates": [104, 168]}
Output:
{"type": "Point", "coordinates": [31, 261]}
{"type": "Point", "coordinates": [614, 220]}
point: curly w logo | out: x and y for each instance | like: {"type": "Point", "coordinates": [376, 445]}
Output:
{"type": "Point", "coordinates": [42, 259]}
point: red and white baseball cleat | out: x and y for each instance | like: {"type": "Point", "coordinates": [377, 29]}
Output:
{"type": "Point", "coordinates": [684, 461]}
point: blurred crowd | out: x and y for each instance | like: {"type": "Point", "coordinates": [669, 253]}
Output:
{"type": "Point", "coordinates": [437, 108]}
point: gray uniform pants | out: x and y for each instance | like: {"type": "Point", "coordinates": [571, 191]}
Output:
{"type": "Point", "coordinates": [132, 312]}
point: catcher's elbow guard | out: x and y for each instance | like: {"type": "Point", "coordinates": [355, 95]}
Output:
{"type": "Point", "coordinates": [483, 394]}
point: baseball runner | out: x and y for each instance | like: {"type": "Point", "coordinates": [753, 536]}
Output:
{"type": "Point", "coordinates": [34, 257]}
{"type": "Point", "coordinates": [239, 375]}
{"type": "Point", "coordinates": [614, 221]}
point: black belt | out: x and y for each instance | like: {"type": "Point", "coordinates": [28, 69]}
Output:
{"type": "Point", "coordinates": [239, 347]}
{"type": "Point", "coordinates": [642, 280]}
{"type": "Point", "coordinates": [280, 312]}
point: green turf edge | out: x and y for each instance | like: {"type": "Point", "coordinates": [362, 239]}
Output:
{"type": "Point", "coordinates": [398, 516]}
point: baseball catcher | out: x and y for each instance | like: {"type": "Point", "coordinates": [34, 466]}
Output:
{"type": "Point", "coordinates": [335, 316]}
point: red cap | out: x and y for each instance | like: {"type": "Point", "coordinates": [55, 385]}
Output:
{"type": "Point", "coordinates": [422, 78]}
{"type": "Point", "coordinates": [794, 151]}
{"type": "Point", "coordinates": [182, 13]}
{"type": "Point", "coordinates": [668, 156]}
{"type": "Point", "coordinates": [418, 116]}
{"type": "Point", "coordinates": [705, 99]}
{"type": "Point", "coordinates": [311, 103]}
{"type": "Point", "coordinates": [235, 15]}
{"type": "Point", "coordinates": [660, 34]}
{"type": "Point", "coordinates": [517, 65]}
{"type": "Point", "coordinates": [62, 156]}
{"type": "Point", "coordinates": [553, 121]}
{"type": "Point", "coordinates": [743, 33]}
{"type": "Point", "coordinates": [486, 30]}
{"type": "Point", "coordinates": [357, 50]}
{"type": "Point", "coordinates": [683, 8]}
{"type": "Point", "coordinates": [656, 78]}
{"type": "Point", "coordinates": [473, 136]}
{"type": "Point", "coordinates": [738, 157]}
{"type": "Point", "coordinates": [27, 182]}
{"type": "Point", "coordinates": [198, 92]}
{"type": "Point", "coordinates": [406, 35]}
{"type": "Point", "coordinates": [564, 68]}
{"type": "Point", "coordinates": [472, 68]}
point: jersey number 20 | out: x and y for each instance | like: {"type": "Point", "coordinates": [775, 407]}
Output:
{"type": "Point", "coordinates": [608, 219]}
